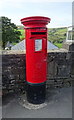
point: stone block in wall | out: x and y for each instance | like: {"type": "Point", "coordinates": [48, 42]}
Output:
{"type": "Point", "coordinates": [59, 65]}
{"type": "Point", "coordinates": [63, 71]}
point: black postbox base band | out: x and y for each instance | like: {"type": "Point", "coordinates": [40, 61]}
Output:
{"type": "Point", "coordinates": [36, 93]}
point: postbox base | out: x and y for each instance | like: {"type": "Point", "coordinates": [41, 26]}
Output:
{"type": "Point", "coordinates": [36, 93]}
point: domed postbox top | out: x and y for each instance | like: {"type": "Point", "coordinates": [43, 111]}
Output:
{"type": "Point", "coordinates": [35, 21]}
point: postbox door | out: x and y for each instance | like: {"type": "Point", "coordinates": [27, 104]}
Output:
{"type": "Point", "coordinates": [38, 63]}
{"type": "Point", "coordinates": [41, 61]}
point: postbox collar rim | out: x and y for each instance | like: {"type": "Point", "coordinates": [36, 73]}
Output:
{"type": "Point", "coordinates": [35, 18]}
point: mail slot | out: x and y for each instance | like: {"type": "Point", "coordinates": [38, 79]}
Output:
{"type": "Point", "coordinates": [36, 57]}
{"type": "Point", "coordinates": [38, 33]}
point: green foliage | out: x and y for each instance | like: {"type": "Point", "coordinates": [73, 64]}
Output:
{"type": "Point", "coordinates": [57, 35]}
{"type": "Point", "coordinates": [9, 32]}
{"type": "Point", "coordinates": [59, 45]}
{"type": "Point", "coordinates": [22, 34]}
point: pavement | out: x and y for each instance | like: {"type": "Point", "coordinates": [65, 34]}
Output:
{"type": "Point", "coordinates": [58, 105]}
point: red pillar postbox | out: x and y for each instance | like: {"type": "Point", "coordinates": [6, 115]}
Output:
{"type": "Point", "coordinates": [36, 57]}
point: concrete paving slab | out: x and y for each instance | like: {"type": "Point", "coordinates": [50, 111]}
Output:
{"type": "Point", "coordinates": [58, 100]}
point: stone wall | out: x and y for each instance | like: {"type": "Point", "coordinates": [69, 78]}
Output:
{"type": "Point", "coordinates": [59, 71]}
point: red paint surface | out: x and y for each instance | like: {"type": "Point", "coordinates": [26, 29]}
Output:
{"type": "Point", "coordinates": [36, 61]}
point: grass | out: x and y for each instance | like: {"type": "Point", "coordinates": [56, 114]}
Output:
{"type": "Point", "coordinates": [59, 45]}
{"type": "Point", "coordinates": [14, 43]}
{"type": "Point", "coordinates": [22, 33]}
{"type": "Point", "coordinates": [57, 35]}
